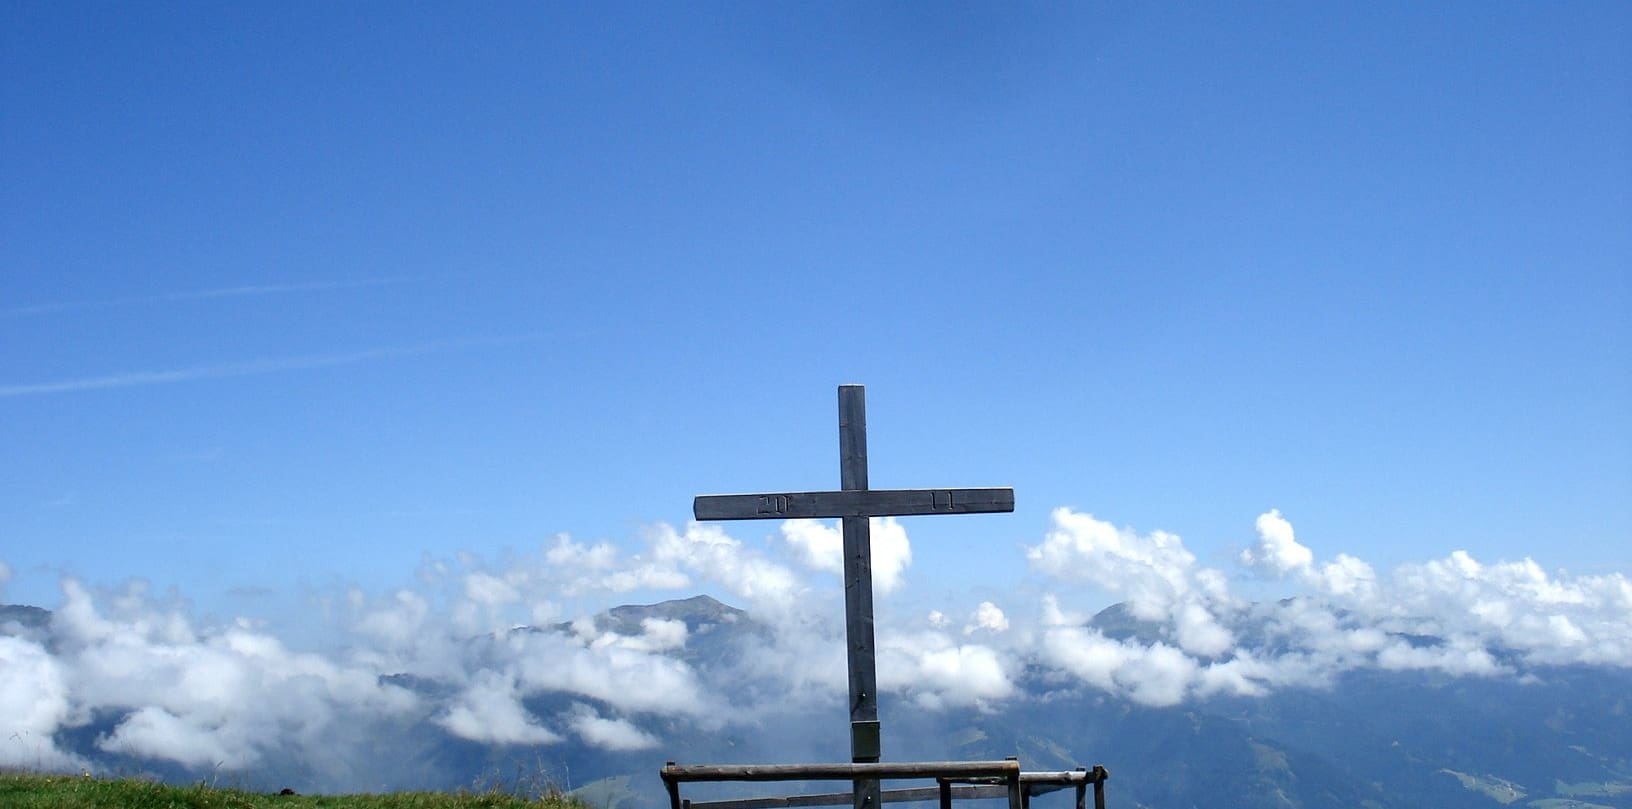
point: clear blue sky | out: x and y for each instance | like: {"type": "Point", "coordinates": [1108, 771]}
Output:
{"type": "Point", "coordinates": [295, 295]}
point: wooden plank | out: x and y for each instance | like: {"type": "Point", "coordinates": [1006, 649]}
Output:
{"type": "Point", "coordinates": [1017, 796]}
{"type": "Point", "coordinates": [954, 770]}
{"type": "Point", "coordinates": [866, 744]}
{"type": "Point", "coordinates": [852, 503]}
{"type": "Point", "coordinates": [852, 437]}
{"type": "Point", "coordinates": [841, 798]}
{"type": "Point", "coordinates": [1061, 777]}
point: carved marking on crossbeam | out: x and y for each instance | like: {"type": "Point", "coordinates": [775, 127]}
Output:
{"type": "Point", "coordinates": [852, 503]}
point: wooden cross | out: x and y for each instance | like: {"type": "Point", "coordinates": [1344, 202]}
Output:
{"type": "Point", "coordinates": [855, 504]}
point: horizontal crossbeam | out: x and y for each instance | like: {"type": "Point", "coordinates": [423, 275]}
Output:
{"type": "Point", "coordinates": [853, 503]}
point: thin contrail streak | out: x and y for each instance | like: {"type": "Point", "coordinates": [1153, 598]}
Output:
{"type": "Point", "coordinates": [132, 379]}
{"type": "Point", "coordinates": [197, 295]}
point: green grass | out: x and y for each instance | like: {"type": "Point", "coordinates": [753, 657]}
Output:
{"type": "Point", "coordinates": [35, 791]}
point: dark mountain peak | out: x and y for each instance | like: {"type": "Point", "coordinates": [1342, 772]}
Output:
{"type": "Point", "coordinates": [697, 612]}
{"type": "Point", "coordinates": [24, 617]}
{"type": "Point", "coordinates": [1118, 622]}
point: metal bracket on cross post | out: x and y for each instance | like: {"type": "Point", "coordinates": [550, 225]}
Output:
{"type": "Point", "coordinates": [855, 504]}
{"type": "Point", "coordinates": [864, 741]}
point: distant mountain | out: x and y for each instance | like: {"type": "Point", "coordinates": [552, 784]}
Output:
{"type": "Point", "coordinates": [712, 628]}
{"type": "Point", "coordinates": [1118, 623]}
{"type": "Point", "coordinates": [700, 614]}
{"type": "Point", "coordinates": [1556, 738]}
{"type": "Point", "coordinates": [19, 618]}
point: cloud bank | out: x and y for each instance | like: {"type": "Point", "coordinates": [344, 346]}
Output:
{"type": "Point", "coordinates": [511, 651]}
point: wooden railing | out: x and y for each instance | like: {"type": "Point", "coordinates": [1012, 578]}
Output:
{"type": "Point", "coordinates": [954, 779]}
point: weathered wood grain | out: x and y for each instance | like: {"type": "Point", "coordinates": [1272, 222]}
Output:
{"type": "Point", "coordinates": [852, 503]}
{"type": "Point", "coordinates": [953, 770]}
{"type": "Point", "coordinates": [866, 743]}
{"type": "Point", "coordinates": [842, 798]}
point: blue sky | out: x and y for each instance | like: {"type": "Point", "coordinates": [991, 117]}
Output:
{"type": "Point", "coordinates": [295, 297]}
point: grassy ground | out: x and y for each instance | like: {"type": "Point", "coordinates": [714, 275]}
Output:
{"type": "Point", "coordinates": [29, 791]}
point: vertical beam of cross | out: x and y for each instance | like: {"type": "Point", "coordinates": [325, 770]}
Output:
{"type": "Point", "coordinates": [858, 595]}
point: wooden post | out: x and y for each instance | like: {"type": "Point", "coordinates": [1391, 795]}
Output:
{"type": "Point", "coordinates": [1015, 793]}
{"type": "Point", "coordinates": [1082, 788]}
{"type": "Point", "coordinates": [672, 785]}
{"type": "Point", "coordinates": [865, 744]}
{"type": "Point", "coordinates": [946, 794]}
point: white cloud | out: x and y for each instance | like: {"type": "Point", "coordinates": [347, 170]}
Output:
{"type": "Point", "coordinates": [1277, 551]}
{"type": "Point", "coordinates": [707, 550]}
{"type": "Point", "coordinates": [820, 546]}
{"type": "Point", "coordinates": [1460, 656]}
{"type": "Point", "coordinates": [1512, 605]}
{"type": "Point", "coordinates": [398, 623]}
{"type": "Point", "coordinates": [229, 694]}
{"type": "Point", "coordinates": [1153, 572]}
{"type": "Point", "coordinates": [1454, 615]}
{"type": "Point", "coordinates": [608, 734]}
{"type": "Point", "coordinates": [153, 732]}
{"type": "Point", "coordinates": [489, 590]}
{"type": "Point", "coordinates": [987, 617]}
{"type": "Point", "coordinates": [235, 695]}
{"type": "Point", "coordinates": [34, 704]}
{"type": "Point", "coordinates": [935, 671]}
{"type": "Point", "coordinates": [657, 635]}
{"type": "Point", "coordinates": [1345, 577]}
{"type": "Point", "coordinates": [817, 545]}
{"type": "Point", "coordinates": [1199, 632]}
{"type": "Point", "coordinates": [626, 676]}
{"type": "Point", "coordinates": [490, 710]}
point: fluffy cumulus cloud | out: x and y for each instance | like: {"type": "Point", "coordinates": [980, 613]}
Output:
{"type": "Point", "coordinates": [34, 703]}
{"type": "Point", "coordinates": [820, 546]}
{"type": "Point", "coordinates": [517, 651]}
{"type": "Point", "coordinates": [489, 709]}
{"type": "Point", "coordinates": [608, 734]}
{"type": "Point", "coordinates": [226, 696]}
{"type": "Point", "coordinates": [1154, 571]}
{"type": "Point", "coordinates": [716, 557]}
{"type": "Point", "coordinates": [988, 617]}
{"type": "Point", "coordinates": [936, 671]}
{"type": "Point", "coordinates": [1190, 636]}
{"type": "Point", "coordinates": [1277, 551]}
